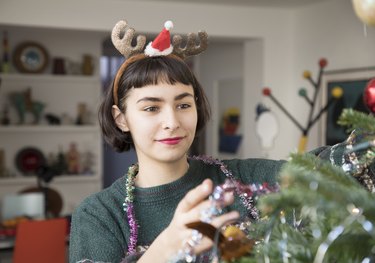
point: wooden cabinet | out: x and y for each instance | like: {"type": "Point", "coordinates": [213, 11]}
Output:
{"type": "Point", "coordinates": [61, 96]}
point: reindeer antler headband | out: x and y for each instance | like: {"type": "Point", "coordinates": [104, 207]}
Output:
{"type": "Point", "coordinates": [161, 46]}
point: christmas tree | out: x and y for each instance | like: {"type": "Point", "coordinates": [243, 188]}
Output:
{"type": "Point", "coordinates": [325, 209]}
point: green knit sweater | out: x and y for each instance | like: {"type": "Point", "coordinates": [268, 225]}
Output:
{"type": "Point", "coordinates": [99, 225]}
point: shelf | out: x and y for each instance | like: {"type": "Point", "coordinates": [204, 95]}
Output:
{"type": "Point", "coordinates": [47, 77]}
{"type": "Point", "coordinates": [60, 96]}
{"type": "Point", "coordinates": [58, 179]}
{"type": "Point", "coordinates": [48, 128]}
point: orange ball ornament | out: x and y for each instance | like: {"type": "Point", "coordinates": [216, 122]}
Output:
{"type": "Point", "coordinates": [365, 10]}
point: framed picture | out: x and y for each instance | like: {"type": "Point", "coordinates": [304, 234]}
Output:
{"type": "Point", "coordinates": [30, 57]}
{"type": "Point", "coordinates": [353, 83]}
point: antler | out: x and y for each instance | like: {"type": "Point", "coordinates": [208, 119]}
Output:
{"type": "Point", "coordinates": [124, 44]}
{"type": "Point", "coordinates": [191, 47]}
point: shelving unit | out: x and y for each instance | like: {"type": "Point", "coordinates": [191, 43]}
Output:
{"type": "Point", "coordinates": [61, 94]}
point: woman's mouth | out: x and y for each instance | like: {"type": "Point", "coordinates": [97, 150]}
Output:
{"type": "Point", "coordinates": [171, 141]}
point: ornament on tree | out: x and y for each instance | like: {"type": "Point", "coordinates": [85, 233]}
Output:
{"type": "Point", "coordinates": [356, 158]}
{"type": "Point", "coordinates": [324, 210]}
{"type": "Point", "coordinates": [369, 96]}
{"type": "Point", "coordinates": [232, 243]}
{"type": "Point", "coordinates": [365, 10]}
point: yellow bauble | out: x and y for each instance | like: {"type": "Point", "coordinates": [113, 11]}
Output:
{"type": "Point", "coordinates": [365, 10]}
{"type": "Point", "coordinates": [233, 232]}
{"type": "Point", "coordinates": [307, 74]}
{"type": "Point", "coordinates": [337, 92]}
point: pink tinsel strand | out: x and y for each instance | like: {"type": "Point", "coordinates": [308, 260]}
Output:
{"type": "Point", "coordinates": [251, 190]}
{"type": "Point", "coordinates": [246, 193]}
{"type": "Point", "coordinates": [133, 228]}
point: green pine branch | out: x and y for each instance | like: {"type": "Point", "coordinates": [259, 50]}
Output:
{"type": "Point", "coordinates": [357, 120]}
{"type": "Point", "coordinates": [317, 199]}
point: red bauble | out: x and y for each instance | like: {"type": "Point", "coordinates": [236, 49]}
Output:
{"type": "Point", "coordinates": [266, 91]}
{"type": "Point", "coordinates": [369, 96]}
{"type": "Point", "coordinates": [323, 62]}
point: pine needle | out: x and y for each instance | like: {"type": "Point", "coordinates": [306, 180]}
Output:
{"type": "Point", "coordinates": [357, 120]}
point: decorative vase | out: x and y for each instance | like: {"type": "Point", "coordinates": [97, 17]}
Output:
{"type": "Point", "coordinates": [87, 65]}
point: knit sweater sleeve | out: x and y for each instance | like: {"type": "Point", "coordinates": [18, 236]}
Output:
{"type": "Point", "coordinates": [95, 233]}
{"type": "Point", "coordinates": [256, 171]}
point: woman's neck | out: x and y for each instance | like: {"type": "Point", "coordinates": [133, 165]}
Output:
{"type": "Point", "coordinates": [158, 173]}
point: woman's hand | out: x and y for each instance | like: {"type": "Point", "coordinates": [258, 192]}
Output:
{"type": "Point", "coordinates": [177, 234]}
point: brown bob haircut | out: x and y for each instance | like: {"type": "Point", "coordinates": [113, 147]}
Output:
{"type": "Point", "coordinates": [148, 71]}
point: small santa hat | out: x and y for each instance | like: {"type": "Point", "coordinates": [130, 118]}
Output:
{"type": "Point", "coordinates": [161, 46]}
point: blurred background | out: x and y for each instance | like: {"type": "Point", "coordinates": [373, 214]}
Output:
{"type": "Point", "coordinates": [49, 134]}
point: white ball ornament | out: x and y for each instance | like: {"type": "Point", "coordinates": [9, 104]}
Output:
{"type": "Point", "coordinates": [365, 10]}
{"type": "Point", "coordinates": [168, 25]}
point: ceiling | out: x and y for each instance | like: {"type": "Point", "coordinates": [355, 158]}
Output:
{"type": "Point", "coordinates": [249, 3]}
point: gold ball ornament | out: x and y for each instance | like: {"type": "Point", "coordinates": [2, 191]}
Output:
{"type": "Point", "coordinates": [337, 92]}
{"type": "Point", "coordinates": [236, 244]}
{"type": "Point", "coordinates": [365, 10]}
{"type": "Point", "coordinates": [307, 74]}
{"type": "Point", "coordinates": [233, 232]}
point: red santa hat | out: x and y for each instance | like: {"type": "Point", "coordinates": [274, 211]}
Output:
{"type": "Point", "coordinates": [161, 46]}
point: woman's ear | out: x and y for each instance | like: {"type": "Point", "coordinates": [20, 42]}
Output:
{"type": "Point", "coordinates": [120, 119]}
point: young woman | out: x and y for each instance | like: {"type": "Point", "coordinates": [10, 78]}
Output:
{"type": "Point", "coordinates": [157, 106]}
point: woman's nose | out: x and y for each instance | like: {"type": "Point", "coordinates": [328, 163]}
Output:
{"type": "Point", "coordinates": [170, 120]}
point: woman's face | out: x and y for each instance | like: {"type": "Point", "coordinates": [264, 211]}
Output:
{"type": "Point", "coordinates": [162, 120]}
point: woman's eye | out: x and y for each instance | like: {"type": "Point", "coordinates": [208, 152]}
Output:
{"type": "Point", "coordinates": [151, 109]}
{"type": "Point", "coordinates": [184, 106]}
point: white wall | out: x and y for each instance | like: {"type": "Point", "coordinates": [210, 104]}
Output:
{"type": "Point", "coordinates": [278, 43]}
{"type": "Point", "coordinates": [333, 31]}
{"type": "Point", "coordinates": [272, 26]}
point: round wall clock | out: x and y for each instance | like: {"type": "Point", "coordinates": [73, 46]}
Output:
{"type": "Point", "coordinates": [30, 57]}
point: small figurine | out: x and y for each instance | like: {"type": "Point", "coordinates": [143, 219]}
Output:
{"type": "Point", "coordinates": [24, 103]}
{"type": "Point", "coordinates": [60, 166]}
{"type": "Point", "coordinates": [66, 119]}
{"type": "Point", "coordinates": [87, 65]}
{"type": "Point", "coordinates": [5, 116]}
{"type": "Point", "coordinates": [51, 159]}
{"type": "Point", "coordinates": [82, 114]}
{"type": "Point", "coordinates": [87, 162]}
{"type": "Point", "coordinates": [5, 64]}
{"type": "Point", "coordinates": [73, 159]}
{"type": "Point", "coordinates": [52, 119]}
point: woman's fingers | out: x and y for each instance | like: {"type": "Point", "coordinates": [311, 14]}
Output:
{"type": "Point", "coordinates": [200, 211]}
{"type": "Point", "coordinates": [195, 196]}
{"type": "Point", "coordinates": [225, 219]}
{"type": "Point", "coordinates": [195, 207]}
